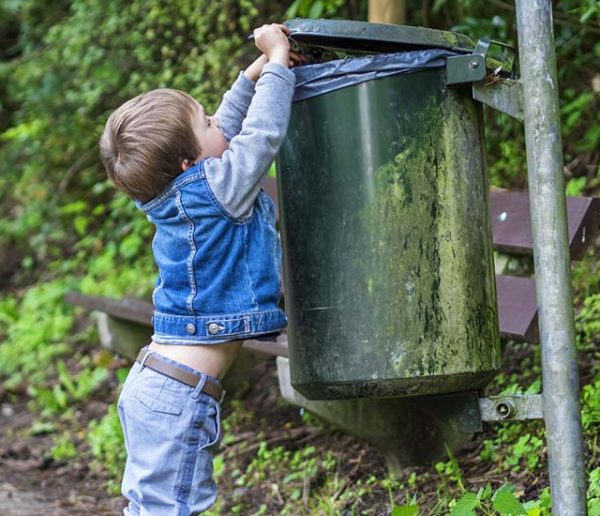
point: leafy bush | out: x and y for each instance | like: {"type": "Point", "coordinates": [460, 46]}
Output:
{"type": "Point", "coordinates": [68, 78]}
{"type": "Point", "coordinates": [35, 331]}
{"type": "Point", "coordinates": [68, 390]}
{"type": "Point", "coordinates": [105, 438]}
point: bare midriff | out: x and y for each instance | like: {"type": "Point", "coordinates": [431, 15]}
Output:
{"type": "Point", "coordinates": [213, 360]}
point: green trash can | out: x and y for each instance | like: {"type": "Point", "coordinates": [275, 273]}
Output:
{"type": "Point", "coordinates": [388, 266]}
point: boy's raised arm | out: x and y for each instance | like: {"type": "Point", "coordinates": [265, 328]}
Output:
{"type": "Point", "coordinates": [236, 176]}
{"type": "Point", "coordinates": [234, 106]}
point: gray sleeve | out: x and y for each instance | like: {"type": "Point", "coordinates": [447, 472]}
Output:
{"type": "Point", "coordinates": [234, 106]}
{"type": "Point", "coordinates": [236, 177]}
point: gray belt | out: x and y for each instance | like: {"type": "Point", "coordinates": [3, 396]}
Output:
{"type": "Point", "coordinates": [147, 359]}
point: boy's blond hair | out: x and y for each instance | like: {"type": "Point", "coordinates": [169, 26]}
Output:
{"type": "Point", "coordinates": [146, 139]}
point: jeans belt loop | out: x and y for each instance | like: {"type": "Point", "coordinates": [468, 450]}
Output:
{"type": "Point", "coordinates": [143, 362]}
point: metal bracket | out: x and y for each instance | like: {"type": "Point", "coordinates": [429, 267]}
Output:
{"type": "Point", "coordinates": [504, 95]}
{"type": "Point", "coordinates": [512, 407]}
{"type": "Point", "coordinates": [499, 92]}
{"type": "Point", "coordinates": [473, 67]}
{"type": "Point", "coordinates": [467, 68]}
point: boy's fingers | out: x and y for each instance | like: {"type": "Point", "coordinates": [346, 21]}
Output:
{"type": "Point", "coordinates": [259, 29]}
{"type": "Point", "coordinates": [285, 29]}
{"type": "Point", "coordinates": [280, 26]}
{"type": "Point", "coordinates": [297, 58]}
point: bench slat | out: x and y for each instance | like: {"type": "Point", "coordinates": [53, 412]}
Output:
{"type": "Point", "coordinates": [517, 308]}
{"type": "Point", "coordinates": [129, 309]}
{"type": "Point", "coordinates": [511, 223]}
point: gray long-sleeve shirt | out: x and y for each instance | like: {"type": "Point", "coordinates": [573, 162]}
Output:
{"type": "Point", "coordinates": [254, 119]}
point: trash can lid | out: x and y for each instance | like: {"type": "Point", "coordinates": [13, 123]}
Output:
{"type": "Point", "coordinates": [359, 36]}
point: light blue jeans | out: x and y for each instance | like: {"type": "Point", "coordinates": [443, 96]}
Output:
{"type": "Point", "coordinates": [171, 431]}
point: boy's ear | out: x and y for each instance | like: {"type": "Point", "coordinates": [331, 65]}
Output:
{"type": "Point", "coordinates": [185, 164]}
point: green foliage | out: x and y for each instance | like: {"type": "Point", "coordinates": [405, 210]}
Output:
{"type": "Point", "coordinates": [63, 448]}
{"type": "Point", "coordinates": [588, 318]}
{"type": "Point", "coordinates": [35, 330]}
{"type": "Point", "coordinates": [405, 510]}
{"type": "Point", "coordinates": [586, 280]}
{"type": "Point", "coordinates": [85, 60]}
{"type": "Point", "coordinates": [576, 186]}
{"type": "Point", "coordinates": [502, 501]}
{"type": "Point", "coordinates": [505, 501]}
{"type": "Point", "coordinates": [105, 438]}
{"type": "Point", "coordinates": [348, 9]}
{"type": "Point", "coordinates": [593, 493]}
{"type": "Point", "coordinates": [300, 464]}
{"type": "Point", "coordinates": [67, 390]}
{"type": "Point", "coordinates": [590, 396]}
{"type": "Point", "coordinates": [515, 448]}
{"type": "Point", "coordinates": [314, 8]}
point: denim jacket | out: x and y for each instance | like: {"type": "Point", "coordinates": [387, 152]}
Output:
{"type": "Point", "coordinates": [216, 245]}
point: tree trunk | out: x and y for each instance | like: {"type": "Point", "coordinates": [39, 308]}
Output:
{"type": "Point", "coordinates": [387, 11]}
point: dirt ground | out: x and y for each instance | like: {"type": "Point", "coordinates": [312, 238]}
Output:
{"type": "Point", "coordinates": [32, 483]}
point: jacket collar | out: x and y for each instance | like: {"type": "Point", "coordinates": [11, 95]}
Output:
{"type": "Point", "coordinates": [196, 171]}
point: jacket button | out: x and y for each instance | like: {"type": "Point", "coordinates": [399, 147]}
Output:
{"type": "Point", "coordinates": [213, 328]}
{"type": "Point", "coordinates": [190, 328]}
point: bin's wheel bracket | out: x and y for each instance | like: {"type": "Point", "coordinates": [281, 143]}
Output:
{"type": "Point", "coordinates": [493, 80]}
{"type": "Point", "coordinates": [504, 95]}
{"type": "Point", "coordinates": [511, 407]}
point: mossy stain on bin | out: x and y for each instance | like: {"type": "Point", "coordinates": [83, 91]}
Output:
{"type": "Point", "coordinates": [407, 223]}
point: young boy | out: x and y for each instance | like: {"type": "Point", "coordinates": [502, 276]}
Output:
{"type": "Point", "coordinates": [198, 179]}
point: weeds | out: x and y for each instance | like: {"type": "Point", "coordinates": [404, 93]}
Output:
{"type": "Point", "coordinates": [68, 390]}
{"type": "Point", "coordinates": [105, 439]}
{"type": "Point", "coordinates": [36, 330]}
{"type": "Point", "coordinates": [63, 448]}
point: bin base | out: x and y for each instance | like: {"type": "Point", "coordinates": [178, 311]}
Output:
{"type": "Point", "coordinates": [408, 431]}
{"type": "Point", "coordinates": [393, 388]}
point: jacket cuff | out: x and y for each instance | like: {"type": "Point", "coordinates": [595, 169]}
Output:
{"type": "Point", "coordinates": [280, 71]}
{"type": "Point", "coordinates": [243, 84]}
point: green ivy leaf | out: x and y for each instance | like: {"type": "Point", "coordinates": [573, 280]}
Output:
{"type": "Point", "coordinates": [465, 506]}
{"type": "Point", "coordinates": [80, 223]}
{"type": "Point", "coordinates": [405, 510]}
{"type": "Point", "coordinates": [130, 246]}
{"type": "Point", "coordinates": [506, 503]}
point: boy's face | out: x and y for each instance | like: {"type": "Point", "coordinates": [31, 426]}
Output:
{"type": "Point", "coordinates": [211, 137]}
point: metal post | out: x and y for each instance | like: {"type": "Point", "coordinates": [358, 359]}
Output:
{"type": "Point", "coordinates": [551, 252]}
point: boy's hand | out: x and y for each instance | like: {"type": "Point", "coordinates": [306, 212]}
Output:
{"type": "Point", "coordinates": [272, 40]}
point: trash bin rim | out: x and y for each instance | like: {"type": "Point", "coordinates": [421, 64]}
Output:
{"type": "Point", "coordinates": [359, 36]}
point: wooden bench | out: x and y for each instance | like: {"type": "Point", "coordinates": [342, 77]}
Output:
{"type": "Point", "coordinates": [511, 230]}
